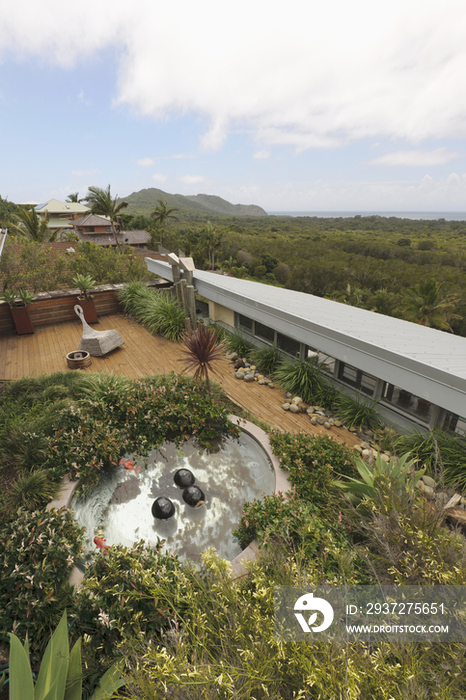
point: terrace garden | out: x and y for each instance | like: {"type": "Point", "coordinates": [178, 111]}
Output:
{"type": "Point", "coordinates": [182, 631]}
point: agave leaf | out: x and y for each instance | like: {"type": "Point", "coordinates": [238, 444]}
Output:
{"type": "Point", "coordinates": [54, 665]}
{"type": "Point", "coordinates": [74, 678]}
{"type": "Point", "coordinates": [21, 683]}
{"type": "Point", "coordinates": [108, 684]}
{"type": "Point", "coordinates": [365, 472]}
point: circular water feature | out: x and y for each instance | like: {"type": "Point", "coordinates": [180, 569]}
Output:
{"type": "Point", "coordinates": [120, 509]}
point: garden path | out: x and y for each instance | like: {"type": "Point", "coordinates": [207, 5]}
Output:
{"type": "Point", "coordinates": [141, 355]}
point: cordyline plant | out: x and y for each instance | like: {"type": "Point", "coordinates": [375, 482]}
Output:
{"type": "Point", "coordinates": [202, 349]}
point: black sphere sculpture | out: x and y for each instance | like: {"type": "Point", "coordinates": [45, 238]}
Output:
{"type": "Point", "coordinates": [163, 508]}
{"type": "Point", "coordinates": [193, 496]}
{"type": "Point", "coordinates": [184, 478]}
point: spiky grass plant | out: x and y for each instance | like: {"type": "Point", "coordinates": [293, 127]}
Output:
{"type": "Point", "coordinates": [202, 351]}
{"type": "Point", "coordinates": [157, 311]}
{"type": "Point", "coordinates": [267, 358]}
{"type": "Point", "coordinates": [33, 490]}
{"type": "Point", "coordinates": [359, 411]}
{"type": "Point", "coordinates": [238, 343]}
{"type": "Point", "coordinates": [443, 454]}
{"type": "Point", "coordinates": [302, 378]}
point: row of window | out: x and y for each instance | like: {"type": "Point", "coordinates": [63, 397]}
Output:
{"type": "Point", "coordinates": [284, 342]}
{"type": "Point", "coordinates": [399, 398]}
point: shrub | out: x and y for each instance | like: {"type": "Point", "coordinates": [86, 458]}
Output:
{"type": "Point", "coordinates": [122, 598]}
{"type": "Point", "coordinates": [312, 463]}
{"type": "Point", "coordinates": [267, 358]}
{"type": "Point", "coordinates": [37, 551]}
{"type": "Point", "coordinates": [359, 411]}
{"type": "Point", "coordinates": [236, 342]}
{"type": "Point", "coordinates": [131, 418]}
{"type": "Point", "coordinates": [33, 490]}
{"type": "Point", "coordinates": [442, 454]}
{"type": "Point", "coordinates": [157, 311]}
{"type": "Point", "coordinates": [301, 378]}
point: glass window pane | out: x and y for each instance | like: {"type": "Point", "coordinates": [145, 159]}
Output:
{"type": "Point", "coordinates": [245, 323]}
{"type": "Point", "coordinates": [288, 345]}
{"type": "Point", "coordinates": [264, 332]}
{"type": "Point", "coordinates": [407, 402]}
{"type": "Point", "coordinates": [357, 379]}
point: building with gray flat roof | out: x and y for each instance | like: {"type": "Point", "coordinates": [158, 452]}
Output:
{"type": "Point", "coordinates": [418, 373]}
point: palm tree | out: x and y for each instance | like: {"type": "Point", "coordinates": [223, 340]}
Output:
{"type": "Point", "coordinates": [211, 238]}
{"type": "Point", "coordinates": [202, 348]}
{"type": "Point", "coordinates": [73, 197]}
{"type": "Point", "coordinates": [101, 202]}
{"type": "Point", "coordinates": [162, 215]}
{"type": "Point", "coordinates": [426, 305]}
{"type": "Point", "coordinates": [29, 225]}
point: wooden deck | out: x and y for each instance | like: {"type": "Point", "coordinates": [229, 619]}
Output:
{"type": "Point", "coordinates": [144, 354]}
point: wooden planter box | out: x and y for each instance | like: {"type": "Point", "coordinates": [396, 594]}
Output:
{"type": "Point", "coordinates": [89, 310]}
{"type": "Point", "coordinates": [21, 319]}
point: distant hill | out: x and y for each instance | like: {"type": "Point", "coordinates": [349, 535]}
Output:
{"type": "Point", "coordinates": [145, 201]}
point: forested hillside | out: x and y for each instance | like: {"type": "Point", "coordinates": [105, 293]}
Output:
{"type": "Point", "coordinates": [373, 262]}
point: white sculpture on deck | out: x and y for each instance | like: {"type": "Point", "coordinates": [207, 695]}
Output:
{"type": "Point", "coordinates": [97, 343]}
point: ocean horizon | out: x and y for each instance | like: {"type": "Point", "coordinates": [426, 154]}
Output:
{"type": "Point", "coordinates": [415, 215]}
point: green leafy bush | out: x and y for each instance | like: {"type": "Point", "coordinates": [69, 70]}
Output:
{"type": "Point", "coordinates": [312, 463]}
{"type": "Point", "coordinates": [131, 417]}
{"type": "Point", "coordinates": [37, 550]}
{"type": "Point", "coordinates": [122, 597]}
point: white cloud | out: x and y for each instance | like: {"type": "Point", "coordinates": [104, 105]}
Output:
{"type": "Point", "coordinates": [191, 179]}
{"type": "Point", "coordinates": [316, 76]}
{"type": "Point", "coordinates": [145, 162]}
{"type": "Point", "coordinates": [416, 158]}
{"type": "Point", "coordinates": [159, 177]}
{"type": "Point", "coordinates": [261, 155]}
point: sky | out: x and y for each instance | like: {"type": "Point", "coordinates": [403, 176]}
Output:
{"type": "Point", "coordinates": [297, 106]}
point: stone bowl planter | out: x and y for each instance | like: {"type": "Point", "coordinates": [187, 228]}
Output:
{"type": "Point", "coordinates": [78, 359]}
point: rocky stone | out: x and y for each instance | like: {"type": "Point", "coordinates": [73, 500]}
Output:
{"type": "Point", "coordinates": [271, 385]}
{"type": "Point", "coordinates": [365, 445]}
{"type": "Point", "coordinates": [239, 375]}
{"type": "Point", "coordinates": [376, 447]}
{"type": "Point", "coordinates": [353, 429]}
{"type": "Point", "coordinates": [385, 457]}
{"type": "Point", "coordinates": [239, 363]}
{"type": "Point", "coordinates": [248, 377]}
{"type": "Point", "coordinates": [367, 453]}
{"type": "Point", "coordinates": [260, 376]}
{"type": "Point", "coordinates": [262, 381]}
{"type": "Point", "coordinates": [302, 407]}
{"type": "Point", "coordinates": [357, 448]}
{"type": "Point", "coordinates": [297, 400]}
{"type": "Point", "coordinates": [288, 395]}
{"type": "Point", "coordinates": [338, 424]}
{"type": "Point", "coordinates": [231, 356]}
{"type": "Point", "coordinates": [252, 368]}
{"type": "Point", "coordinates": [429, 481]}
{"type": "Point", "coordinates": [294, 408]}
{"type": "Point", "coordinates": [427, 490]}
{"type": "Point", "coordinates": [327, 425]}
{"type": "Point", "coordinates": [286, 406]}
{"type": "Point", "coordinates": [313, 420]}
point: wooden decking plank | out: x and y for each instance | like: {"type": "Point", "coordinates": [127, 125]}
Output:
{"type": "Point", "coordinates": [144, 354]}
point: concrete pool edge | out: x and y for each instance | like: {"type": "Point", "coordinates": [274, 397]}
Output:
{"type": "Point", "coordinates": [238, 568]}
